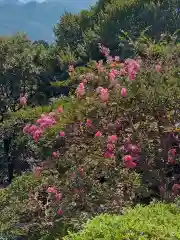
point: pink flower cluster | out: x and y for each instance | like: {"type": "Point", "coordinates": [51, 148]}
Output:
{"type": "Point", "coordinates": [33, 130]}
{"type": "Point", "coordinates": [110, 148]}
{"type": "Point", "coordinates": [171, 156]}
{"type": "Point", "coordinates": [60, 109]}
{"type": "Point", "coordinates": [45, 121]}
{"type": "Point", "coordinates": [104, 94]}
{"type": "Point", "coordinates": [88, 123]}
{"type": "Point", "coordinates": [128, 161]}
{"type": "Point", "coordinates": [99, 66]}
{"type": "Point", "coordinates": [112, 77]}
{"type": "Point", "coordinates": [80, 91]}
{"type": "Point", "coordinates": [54, 154]}
{"type": "Point", "coordinates": [109, 59]}
{"type": "Point", "coordinates": [98, 134]}
{"type": "Point", "coordinates": [134, 152]}
{"type": "Point", "coordinates": [57, 195]}
{"type": "Point", "coordinates": [113, 74]}
{"type": "Point", "coordinates": [104, 50]}
{"type": "Point", "coordinates": [23, 101]}
{"type": "Point", "coordinates": [53, 190]}
{"type": "Point", "coordinates": [176, 189]}
{"type": "Point", "coordinates": [132, 67]}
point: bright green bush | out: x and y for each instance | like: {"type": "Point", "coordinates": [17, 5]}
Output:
{"type": "Point", "coordinates": [156, 222]}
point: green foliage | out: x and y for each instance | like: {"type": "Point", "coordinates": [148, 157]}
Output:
{"type": "Point", "coordinates": [13, 203]}
{"type": "Point", "coordinates": [21, 62]}
{"type": "Point", "coordinates": [68, 31]}
{"type": "Point", "coordinates": [157, 221]}
{"type": "Point", "coordinates": [105, 21]}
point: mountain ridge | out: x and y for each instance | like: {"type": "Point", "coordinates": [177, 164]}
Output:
{"type": "Point", "coordinates": [35, 18]}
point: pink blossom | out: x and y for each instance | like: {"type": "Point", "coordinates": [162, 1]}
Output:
{"type": "Point", "coordinates": [60, 109]}
{"type": "Point", "coordinates": [132, 75]}
{"type": "Point", "coordinates": [112, 139]}
{"type": "Point", "coordinates": [60, 212]}
{"type": "Point", "coordinates": [128, 161]}
{"type": "Point", "coordinates": [176, 188]}
{"type": "Point", "coordinates": [104, 50]}
{"type": "Point", "coordinates": [130, 164]}
{"type": "Point", "coordinates": [123, 149]}
{"type": "Point", "coordinates": [46, 121]}
{"type": "Point", "coordinates": [113, 73]}
{"type": "Point", "coordinates": [109, 59]}
{"type": "Point", "coordinates": [158, 68]}
{"type": "Point", "coordinates": [54, 154]}
{"type": "Point", "coordinates": [171, 160]}
{"type": "Point", "coordinates": [172, 151]}
{"type": "Point", "coordinates": [23, 100]}
{"type": "Point", "coordinates": [133, 148]}
{"type": "Point", "coordinates": [133, 64]}
{"type": "Point", "coordinates": [104, 94]}
{"type": "Point", "coordinates": [127, 158]}
{"type": "Point", "coordinates": [34, 131]}
{"type": "Point", "coordinates": [89, 122]}
{"type": "Point", "coordinates": [26, 128]}
{"type": "Point", "coordinates": [132, 67]}
{"type": "Point", "coordinates": [58, 196]}
{"type": "Point", "coordinates": [117, 58]}
{"type": "Point", "coordinates": [52, 190]}
{"type": "Point", "coordinates": [80, 91]}
{"type": "Point", "coordinates": [109, 154]}
{"type": "Point", "coordinates": [110, 147]}
{"type": "Point", "coordinates": [123, 92]}
{"type": "Point", "coordinates": [112, 76]}
{"type": "Point", "coordinates": [62, 134]}
{"type": "Point", "coordinates": [37, 134]}
{"type": "Point", "coordinates": [98, 134]}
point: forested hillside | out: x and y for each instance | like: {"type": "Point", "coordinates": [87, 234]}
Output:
{"type": "Point", "coordinates": [89, 126]}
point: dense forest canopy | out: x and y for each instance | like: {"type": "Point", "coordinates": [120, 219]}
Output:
{"type": "Point", "coordinates": [89, 124]}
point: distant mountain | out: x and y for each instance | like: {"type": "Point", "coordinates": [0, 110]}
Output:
{"type": "Point", "coordinates": [35, 18]}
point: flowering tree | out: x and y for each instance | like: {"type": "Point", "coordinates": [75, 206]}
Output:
{"type": "Point", "coordinates": [113, 144]}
